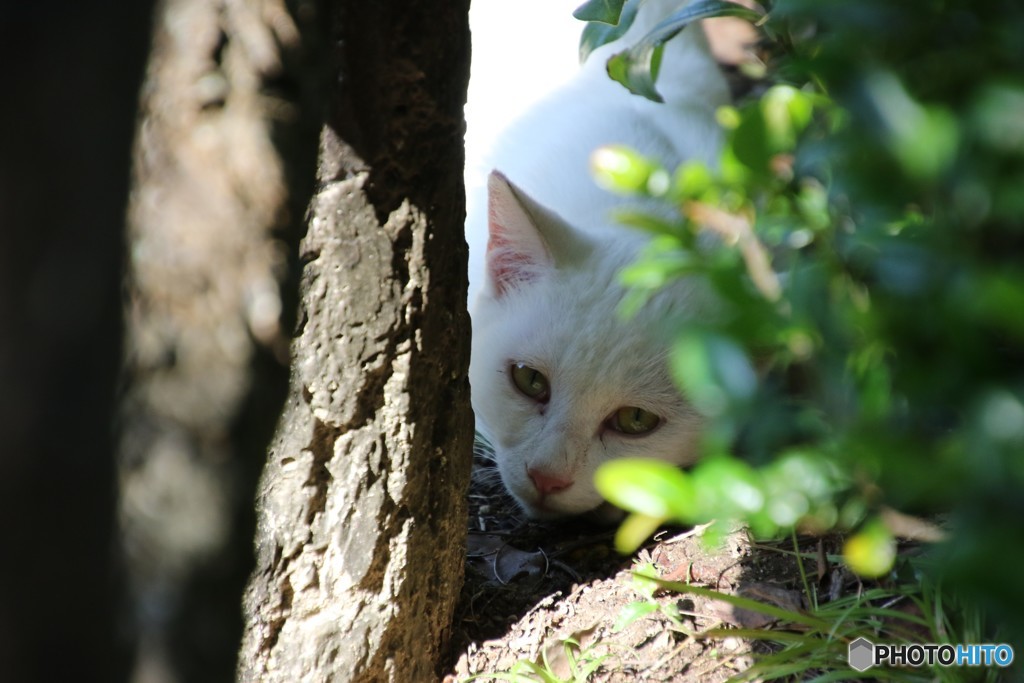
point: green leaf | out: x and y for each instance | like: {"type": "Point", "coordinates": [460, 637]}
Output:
{"type": "Point", "coordinates": [657, 270]}
{"type": "Point", "coordinates": [787, 111]}
{"type": "Point", "coordinates": [632, 612]}
{"type": "Point", "coordinates": [637, 67]}
{"type": "Point", "coordinates": [651, 487]}
{"type": "Point", "coordinates": [931, 147]}
{"type": "Point", "coordinates": [924, 139]}
{"type": "Point", "coordinates": [786, 502]}
{"type": "Point", "coordinates": [634, 530]}
{"type": "Point", "coordinates": [604, 11]}
{"type": "Point", "coordinates": [596, 33]}
{"type": "Point", "coordinates": [750, 141]}
{"type": "Point", "coordinates": [812, 201]}
{"type": "Point", "coordinates": [733, 173]}
{"type": "Point", "coordinates": [766, 128]}
{"type": "Point", "coordinates": [728, 487]}
{"type": "Point", "coordinates": [713, 371]}
{"type": "Point", "coordinates": [996, 117]}
{"type": "Point", "coordinates": [591, 666]}
{"type": "Point", "coordinates": [692, 179]}
{"type": "Point", "coordinates": [871, 551]}
{"type": "Point", "coordinates": [522, 671]}
{"type": "Point", "coordinates": [727, 116]}
{"type": "Point", "coordinates": [649, 223]}
{"type": "Point", "coordinates": [625, 171]}
{"type": "Point", "coordinates": [645, 580]}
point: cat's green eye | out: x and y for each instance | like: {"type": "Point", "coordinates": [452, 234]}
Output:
{"type": "Point", "coordinates": [633, 421]}
{"type": "Point", "coordinates": [531, 382]}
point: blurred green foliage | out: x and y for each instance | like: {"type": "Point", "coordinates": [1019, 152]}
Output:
{"type": "Point", "coordinates": [880, 170]}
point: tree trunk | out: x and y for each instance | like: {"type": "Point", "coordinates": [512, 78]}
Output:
{"type": "Point", "coordinates": [361, 511]}
{"type": "Point", "coordinates": [224, 168]}
{"type": "Point", "coordinates": [72, 73]}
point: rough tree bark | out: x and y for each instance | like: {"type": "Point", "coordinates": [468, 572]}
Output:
{"type": "Point", "coordinates": [362, 512]}
{"type": "Point", "coordinates": [224, 168]}
{"type": "Point", "coordinates": [72, 73]}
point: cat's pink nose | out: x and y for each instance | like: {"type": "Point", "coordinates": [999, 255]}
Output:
{"type": "Point", "coordinates": [548, 483]}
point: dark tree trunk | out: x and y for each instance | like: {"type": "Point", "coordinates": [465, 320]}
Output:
{"type": "Point", "coordinates": [71, 79]}
{"type": "Point", "coordinates": [362, 512]}
{"type": "Point", "coordinates": [224, 168]}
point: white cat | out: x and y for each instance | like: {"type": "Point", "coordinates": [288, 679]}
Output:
{"type": "Point", "coordinates": [560, 383]}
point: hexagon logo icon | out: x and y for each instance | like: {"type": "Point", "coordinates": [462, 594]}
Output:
{"type": "Point", "coordinates": [861, 654]}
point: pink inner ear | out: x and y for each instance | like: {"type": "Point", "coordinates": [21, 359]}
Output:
{"type": "Point", "coordinates": [505, 263]}
{"type": "Point", "coordinates": [516, 252]}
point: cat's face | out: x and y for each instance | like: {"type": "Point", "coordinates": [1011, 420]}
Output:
{"type": "Point", "coordinates": [560, 382]}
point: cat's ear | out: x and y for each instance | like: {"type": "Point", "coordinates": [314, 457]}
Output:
{"type": "Point", "coordinates": [526, 240]}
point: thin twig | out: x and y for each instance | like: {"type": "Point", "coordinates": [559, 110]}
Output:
{"type": "Point", "coordinates": [737, 229]}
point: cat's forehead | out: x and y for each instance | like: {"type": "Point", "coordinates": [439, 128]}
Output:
{"type": "Point", "coordinates": [574, 333]}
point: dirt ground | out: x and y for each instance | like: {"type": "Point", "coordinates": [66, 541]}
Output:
{"type": "Point", "coordinates": [530, 586]}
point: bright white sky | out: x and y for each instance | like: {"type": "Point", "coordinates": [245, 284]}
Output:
{"type": "Point", "coordinates": [521, 50]}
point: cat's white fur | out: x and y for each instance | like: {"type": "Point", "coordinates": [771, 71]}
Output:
{"type": "Point", "coordinates": [548, 292]}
